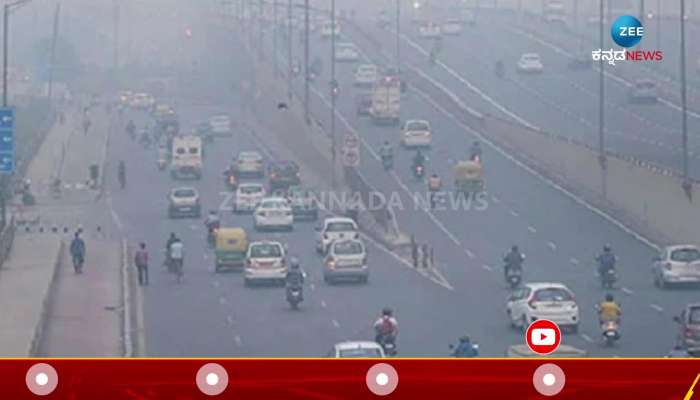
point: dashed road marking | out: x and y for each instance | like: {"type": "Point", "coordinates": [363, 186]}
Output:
{"type": "Point", "coordinates": [531, 229]}
{"type": "Point", "coordinates": [552, 245]}
{"type": "Point", "coordinates": [216, 284]}
{"type": "Point", "coordinates": [229, 320]}
{"type": "Point", "coordinates": [222, 300]}
{"type": "Point", "coordinates": [312, 286]}
{"type": "Point", "coordinates": [586, 338]}
{"type": "Point", "coordinates": [657, 308]}
{"type": "Point", "coordinates": [514, 213]}
{"type": "Point", "coordinates": [495, 199]}
{"type": "Point", "coordinates": [469, 253]}
{"type": "Point", "coordinates": [335, 323]}
{"type": "Point", "coordinates": [237, 340]}
{"type": "Point", "coordinates": [323, 304]}
{"type": "Point", "coordinates": [627, 291]}
{"type": "Point", "coordinates": [574, 261]}
{"type": "Point", "coordinates": [487, 267]}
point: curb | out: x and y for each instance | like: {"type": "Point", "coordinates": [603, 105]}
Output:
{"type": "Point", "coordinates": [127, 344]}
{"type": "Point", "coordinates": [35, 345]}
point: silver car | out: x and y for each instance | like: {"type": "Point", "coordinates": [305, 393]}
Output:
{"type": "Point", "coordinates": [677, 265]}
{"type": "Point", "coordinates": [346, 259]}
{"type": "Point", "coordinates": [249, 164]}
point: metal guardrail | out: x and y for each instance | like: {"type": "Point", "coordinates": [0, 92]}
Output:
{"type": "Point", "coordinates": [7, 238]}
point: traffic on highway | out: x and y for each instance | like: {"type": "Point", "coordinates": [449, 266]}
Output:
{"type": "Point", "coordinates": [395, 178]}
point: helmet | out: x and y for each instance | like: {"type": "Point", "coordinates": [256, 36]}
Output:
{"type": "Point", "coordinates": [172, 235]}
{"type": "Point", "coordinates": [386, 143]}
{"type": "Point", "coordinates": [514, 249]}
{"type": "Point", "coordinates": [435, 176]}
{"type": "Point", "coordinates": [609, 297]}
{"type": "Point", "coordinates": [387, 312]}
{"type": "Point", "coordinates": [464, 338]}
{"type": "Point", "coordinates": [607, 247]}
{"type": "Point", "coordinates": [212, 212]}
{"type": "Point", "coordinates": [294, 263]}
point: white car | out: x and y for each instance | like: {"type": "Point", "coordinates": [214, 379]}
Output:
{"type": "Point", "coordinates": [677, 265]}
{"type": "Point", "coordinates": [335, 228]}
{"type": "Point", "coordinates": [220, 125]}
{"type": "Point", "coordinates": [360, 349]}
{"type": "Point", "coordinates": [142, 101]}
{"type": "Point", "coordinates": [530, 62]}
{"type": "Point", "coordinates": [184, 202]}
{"type": "Point", "coordinates": [327, 29]}
{"type": "Point", "coordinates": [429, 30]}
{"type": "Point", "coordinates": [452, 27]}
{"type": "Point", "coordinates": [416, 133]}
{"type": "Point", "coordinates": [552, 301]}
{"type": "Point", "coordinates": [249, 163]}
{"type": "Point", "coordinates": [346, 52]}
{"type": "Point", "coordinates": [248, 196]}
{"type": "Point", "coordinates": [643, 91]}
{"type": "Point", "coordinates": [346, 259]}
{"type": "Point", "coordinates": [265, 261]}
{"type": "Point", "coordinates": [274, 212]}
{"type": "Point", "coordinates": [366, 75]}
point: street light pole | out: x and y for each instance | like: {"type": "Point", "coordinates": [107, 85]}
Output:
{"type": "Point", "coordinates": [398, 37]}
{"type": "Point", "coordinates": [642, 13]}
{"type": "Point", "coordinates": [334, 88]}
{"type": "Point", "coordinates": [274, 37]}
{"type": "Point", "coordinates": [290, 71]}
{"type": "Point", "coordinates": [658, 24]}
{"type": "Point", "coordinates": [307, 118]}
{"type": "Point", "coordinates": [601, 108]}
{"type": "Point", "coordinates": [686, 180]}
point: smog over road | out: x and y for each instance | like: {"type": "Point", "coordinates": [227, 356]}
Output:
{"type": "Point", "coordinates": [299, 178]}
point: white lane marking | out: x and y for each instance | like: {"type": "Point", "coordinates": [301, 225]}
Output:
{"type": "Point", "coordinates": [514, 213]}
{"type": "Point", "coordinates": [194, 227]}
{"type": "Point", "coordinates": [586, 338]}
{"type": "Point", "coordinates": [229, 320]}
{"type": "Point", "coordinates": [205, 256]}
{"type": "Point", "coordinates": [115, 216]}
{"type": "Point", "coordinates": [312, 286]}
{"type": "Point", "coordinates": [222, 300]}
{"type": "Point", "coordinates": [531, 229]}
{"type": "Point", "coordinates": [335, 323]}
{"type": "Point", "coordinates": [657, 307]}
{"type": "Point", "coordinates": [495, 199]}
{"type": "Point", "coordinates": [469, 253]}
{"type": "Point", "coordinates": [216, 284]}
{"type": "Point", "coordinates": [237, 340]}
{"type": "Point", "coordinates": [577, 199]}
{"type": "Point", "coordinates": [552, 245]}
{"type": "Point", "coordinates": [323, 304]}
{"type": "Point", "coordinates": [627, 291]}
{"type": "Point", "coordinates": [574, 261]}
{"type": "Point", "coordinates": [487, 267]}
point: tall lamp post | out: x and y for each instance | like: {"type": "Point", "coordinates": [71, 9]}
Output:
{"type": "Point", "coordinates": [686, 179]}
{"type": "Point", "coordinates": [601, 107]}
{"type": "Point", "coordinates": [334, 94]}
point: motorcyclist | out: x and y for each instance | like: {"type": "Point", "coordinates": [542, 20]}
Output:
{"type": "Point", "coordinates": [294, 280]}
{"type": "Point", "coordinates": [418, 159]}
{"type": "Point", "coordinates": [386, 152]}
{"type": "Point", "coordinates": [130, 128]}
{"type": "Point", "coordinates": [121, 174]}
{"type": "Point", "coordinates": [386, 326]}
{"type": "Point", "coordinates": [513, 260]}
{"type": "Point", "coordinates": [465, 348]}
{"type": "Point", "coordinates": [609, 310]}
{"type": "Point", "coordinates": [434, 186]}
{"type": "Point", "coordinates": [606, 260]}
{"type": "Point", "coordinates": [475, 151]}
{"type": "Point", "coordinates": [212, 221]}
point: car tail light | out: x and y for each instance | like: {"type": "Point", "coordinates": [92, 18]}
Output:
{"type": "Point", "coordinates": [325, 236]}
{"type": "Point", "coordinates": [357, 235]}
{"type": "Point", "coordinates": [330, 263]}
{"type": "Point", "coordinates": [283, 263]}
{"type": "Point", "coordinates": [687, 332]}
{"type": "Point", "coordinates": [667, 266]}
{"type": "Point", "coordinates": [531, 304]}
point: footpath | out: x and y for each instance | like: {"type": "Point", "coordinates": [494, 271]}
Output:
{"type": "Point", "coordinates": [45, 308]}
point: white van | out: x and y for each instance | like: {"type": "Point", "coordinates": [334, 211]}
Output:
{"type": "Point", "coordinates": [186, 157]}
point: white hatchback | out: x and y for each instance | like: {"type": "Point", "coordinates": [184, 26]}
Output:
{"type": "Point", "coordinates": [416, 133]}
{"type": "Point", "coordinates": [677, 265]}
{"type": "Point", "coordinates": [366, 75]}
{"type": "Point", "coordinates": [335, 228]}
{"type": "Point", "coordinates": [346, 259]}
{"type": "Point", "coordinates": [274, 212]}
{"type": "Point", "coordinates": [248, 196]}
{"type": "Point", "coordinates": [346, 52]}
{"type": "Point", "coordinates": [530, 62]}
{"type": "Point", "coordinates": [220, 125]}
{"type": "Point", "coordinates": [265, 261]}
{"type": "Point", "coordinates": [552, 301]}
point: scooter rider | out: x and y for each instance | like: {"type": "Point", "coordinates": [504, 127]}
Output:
{"type": "Point", "coordinates": [606, 260]}
{"type": "Point", "coordinates": [609, 310]}
{"type": "Point", "coordinates": [294, 278]}
{"type": "Point", "coordinates": [513, 260]}
{"type": "Point", "coordinates": [475, 151]}
{"type": "Point", "coordinates": [386, 326]}
{"type": "Point", "coordinates": [386, 152]}
{"type": "Point", "coordinates": [212, 221]}
{"type": "Point", "coordinates": [418, 159]}
{"type": "Point", "coordinates": [131, 128]}
{"type": "Point", "coordinates": [465, 348]}
{"type": "Point", "coordinates": [434, 186]}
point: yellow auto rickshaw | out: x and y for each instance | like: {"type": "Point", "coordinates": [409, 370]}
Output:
{"type": "Point", "coordinates": [231, 248]}
{"type": "Point", "coordinates": [468, 177]}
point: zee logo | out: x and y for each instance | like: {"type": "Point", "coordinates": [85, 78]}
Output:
{"type": "Point", "coordinates": [627, 31]}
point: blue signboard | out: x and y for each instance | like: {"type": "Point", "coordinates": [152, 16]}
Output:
{"type": "Point", "coordinates": [7, 140]}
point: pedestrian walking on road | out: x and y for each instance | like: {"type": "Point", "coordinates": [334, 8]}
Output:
{"type": "Point", "coordinates": [425, 253]}
{"type": "Point", "coordinates": [141, 262]}
{"type": "Point", "coordinates": [414, 251]}
{"type": "Point", "coordinates": [77, 252]}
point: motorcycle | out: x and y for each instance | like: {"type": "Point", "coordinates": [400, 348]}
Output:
{"type": "Point", "coordinates": [387, 162]}
{"type": "Point", "coordinates": [162, 163]}
{"type": "Point", "coordinates": [475, 348]}
{"type": "Point", "coordinates": [608, 278]}
{"type": "Point", "coordinates": [514, 277]}
{"type": "Point", "coordinates": [294, 297]}
{"type": "Point", "coordinates": [211, 236]}
{"type": "Point", "coordinates": [388, 343]}
{"type": "Point", "coordinates": [611, 332]}
{"type": "Point", "coordinates": [418, 171]}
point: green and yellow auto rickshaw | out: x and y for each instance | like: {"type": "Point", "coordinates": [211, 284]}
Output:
{"type": "Point", "coordinates": [231, 247]}
{"type": "Point", "coordinates": [468, 177]}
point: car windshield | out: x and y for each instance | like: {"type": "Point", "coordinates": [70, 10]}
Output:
{"type": "Point", "coordinates": [265, 250]}
{"type": "Point", "coordinates": [249, 157]}
{"type": "Point", "coordinates": [552, 294]}
{"type": "Point", "coordinates": [184, 193]}
{"type": "Point", "coordinates": [348, 248]}
{"type": "Point", "coordinates": [531, 57]}
{"type": "Point", "coordinates": [361, 352]}
{"type": "Point", "coordinates": [685, 255]}
{"type": "Point", "coordinates": [252, 189]}
{"type": "Point", "coordinates": [417, 126]}
{"type": "Point", "coordinates": [273, 204]}
{"type": "Point", "coordinates": [340, 227]}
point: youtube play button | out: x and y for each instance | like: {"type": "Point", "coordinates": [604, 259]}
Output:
{"type": "Point", "coordinates": [543, 336]}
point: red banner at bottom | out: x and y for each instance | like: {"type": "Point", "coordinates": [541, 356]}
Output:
{"type": "Point", "coordinates": [348, 379]}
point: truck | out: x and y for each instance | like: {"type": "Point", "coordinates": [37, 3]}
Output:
{"type": "Point", "coordinates": [186, 157]}
{"type": "Point", "coordinates": [386, 100]}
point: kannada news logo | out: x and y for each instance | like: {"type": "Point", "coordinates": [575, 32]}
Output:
{"type": "Point", "coordinates": [627, 31]}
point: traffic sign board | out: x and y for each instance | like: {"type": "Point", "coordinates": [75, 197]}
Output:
{"type": "Point", "coordinates": [7, 140]}
{"type": "Point", "coordinates": [351, 157]}
{"type": "Point", "coordinates": [351, 140]}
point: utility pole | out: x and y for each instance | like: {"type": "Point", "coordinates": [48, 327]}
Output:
{"type": "Point", "coordinates": [115, 34]}
{"type": "Point", "coordinates": [52, 58]}
{"type": "Point", "coordinates": [274, 37]}
{"type": "Point", "coordinates": [686, 179]}
{"type": "Point", "coordinates": [260, 29]}
{"type": "Point", "coordinates": [601, 109]}
{"type": "Point", "coordinates": [290, 68]}
{"type": "Point", "coordinates": [334, 94]}
{"type": "Point", "coordinates": [398, 37]}
{"type": "Point", "coordinates": [307, 118]}
{"type": "Point", "coordinates": [658, 24]}
{"type": "Point", "coordinates": [642, 13]}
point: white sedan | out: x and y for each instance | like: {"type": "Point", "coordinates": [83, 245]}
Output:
{"type": "Point", "coordinates": [220, 125]}
{"type": "Point", "coordinates": [335, 228]}
{"type": "Point", "coordinates": [346, 52]}
{"type": "Point", "coordinates": [274, 213]}
{"type": "Point", "coordinates": [552, 301]}
{"type": "Point", "coordinates": [530, 62]}
{"type": "Point", "coordinates": [416, 133]}
{"type": "Point", "coordinates": [265, 261]}
{"type": "Point", "coordinates": [357, 350]}
{"type": "Point", "coordinates": [248, 196]}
